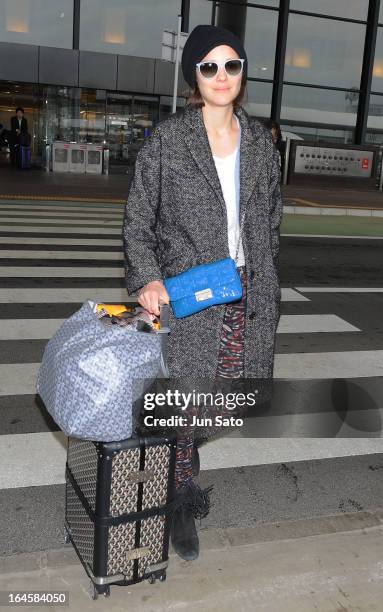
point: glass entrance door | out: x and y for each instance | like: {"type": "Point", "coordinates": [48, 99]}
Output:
{"type": "Point", "coordinates": [27, 96]}
{"type": "Point", "coordinates": [129, 120]}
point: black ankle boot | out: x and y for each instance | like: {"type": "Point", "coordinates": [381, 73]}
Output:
{"type": "Point", "coordinates": [190, 502]}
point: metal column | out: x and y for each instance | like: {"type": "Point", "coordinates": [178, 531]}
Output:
{"type": "Point", "coordinates": [233, 17]}
{"type": "Point", "coordinates": [366, 76]}
{"type": "Point", "coordinates": [279, 65]}
{"type": "Point", "coordinates": [185, 12]}
{"type": "Point", "coordinates": [76, 24]}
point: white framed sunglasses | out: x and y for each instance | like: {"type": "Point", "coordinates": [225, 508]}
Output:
{"type": "Point", "coordinates": [209, 69]}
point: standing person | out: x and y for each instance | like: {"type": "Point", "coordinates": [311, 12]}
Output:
{"type": "Point", "coordinates": [276, 134]}
{"type": "Point", "coordinates": [195, 176]}
{"type": "Point", "coordinates": [19, 127]}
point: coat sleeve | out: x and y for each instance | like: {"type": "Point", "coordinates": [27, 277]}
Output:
{"type": "Point", "coordinates": [140, 217]}
{"type": "Point", "coordinates": [276, 208]}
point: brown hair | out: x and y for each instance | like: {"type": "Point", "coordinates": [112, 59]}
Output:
{"type": "Point", "coordinates": [194, 97]}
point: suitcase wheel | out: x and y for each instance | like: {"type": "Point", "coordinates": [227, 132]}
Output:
{"type": "Point", "coordinates": [152, 579]}
{"type": "Point", "coordinates": [94, 592]}
{"type": "Point", "coordinates": [161, 577]}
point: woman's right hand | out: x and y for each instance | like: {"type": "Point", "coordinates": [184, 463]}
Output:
{"type": "Point", "coordinates": [152, 295]}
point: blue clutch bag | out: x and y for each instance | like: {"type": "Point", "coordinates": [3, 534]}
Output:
{"type": "Point", "coordinates": [202, 286]}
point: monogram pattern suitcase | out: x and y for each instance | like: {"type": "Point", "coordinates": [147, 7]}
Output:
{"type": "Point", "coordinates": [117, 511]}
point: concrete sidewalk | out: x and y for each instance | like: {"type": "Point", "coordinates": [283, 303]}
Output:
{"type": "Point", "coordinates": [333, 195]}
{"type": "Point", "coordinates": [327, 564]}
{"type": "Point", "coordinates": [35, 184]}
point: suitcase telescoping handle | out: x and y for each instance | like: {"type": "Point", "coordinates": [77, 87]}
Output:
{"type": "Point", "coordinates": [164, 331]}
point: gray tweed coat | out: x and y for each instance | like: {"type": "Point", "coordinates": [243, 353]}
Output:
{"type": "Point", "coordinates": [175, 218]}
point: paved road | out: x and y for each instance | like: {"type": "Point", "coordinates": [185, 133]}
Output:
{"type": "Point", "coordinates": [317, 460]}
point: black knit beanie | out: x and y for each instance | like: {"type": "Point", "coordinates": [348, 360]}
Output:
{"type": "Point", "coordinates": [203, 39]}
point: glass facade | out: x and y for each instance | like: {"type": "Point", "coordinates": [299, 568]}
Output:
{"type": "Point", "coordinates": [73, 114]}
{"type": "Point", "coordinates": [324, 52]}
{"type": "Point", "coordinates": [377, 73]}
{"type": "Point", "coordinates": [319, 89]}
{"type": "Point", "coordinates": [260, 41]}
{"type": "Point", "coordinates": [258, 99]}
{"type": "Point", "coordinates": [351, 9]}
{"type": "Point", "coordinates": [319, 105]}
{"type": "Point", "coordinates": [130, 27]}
{"type": "Point", "coordinates": [129, 118]}
{"type": "Point", "coordinates": [375, 120]}
{"type": "Point", "coordinates": [37, 22]}
{"type": "Point", "coordinates": [201, 12]}
{"type": "Point", "coordinates": [316, 134]}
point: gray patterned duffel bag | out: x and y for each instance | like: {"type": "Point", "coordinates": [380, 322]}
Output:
{"type": "Point", "coordinates": [92, 374]}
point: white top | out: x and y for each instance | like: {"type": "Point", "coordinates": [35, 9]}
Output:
{"type": "Point", "coordinates": [228, 172]}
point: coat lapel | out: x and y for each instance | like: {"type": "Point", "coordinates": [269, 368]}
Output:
{"type": "Point", "coordinates": [199, 147]}
{"type": "Point", "coordinates": [251, 154]}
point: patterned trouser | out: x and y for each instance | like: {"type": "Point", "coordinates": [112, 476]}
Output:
{"type": "Point", "coordinates": [230, 365]}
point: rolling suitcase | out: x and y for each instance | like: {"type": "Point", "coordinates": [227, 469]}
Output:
{"type": "Point", "coordinates": [24, 156]}
{"type": "Point", "coordinates": [117, 510]}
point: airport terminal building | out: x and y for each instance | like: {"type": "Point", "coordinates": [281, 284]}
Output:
{"type": "Point", "coordinates": [92, 71]}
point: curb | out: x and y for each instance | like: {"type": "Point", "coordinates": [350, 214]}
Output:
{"type": "Point", "coordinates": [215, 539]}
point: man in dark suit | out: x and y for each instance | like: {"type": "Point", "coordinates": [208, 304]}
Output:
{"type": "Point", "coordinates": [19, 132]}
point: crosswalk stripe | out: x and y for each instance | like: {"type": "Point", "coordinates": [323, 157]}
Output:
{"type": "Point", "coordinates": [57, 272]}
{"type": "Point", "coordinates": [73, 295]}
{"type": "Point", "coordinates": [24, 254]}
{"type": "Point", "coordinates": [221, 453]}
{"type": "Point", "coordinates": [65, 209]}
{"type": "Point", "coordinates": [51, 204]}
{"type": "Point", "coordinates": [64, 295]}
{"type": "Point", "coordinates": [66, 222]}
{"type": "Point", "coordinates": [21, 242]}
{"type": "Point", "coordinates": [29, 329]}
{"type": "Point", "coordinates": [10, 229]}
{"type": "Point", "coordinates": [27, 213]}
{"type": "Point", "coordinates": [226, 452]}
{"type": "Point", "coordinates": [340, 289]}
{"type": "Point", "coordinates": [298, 324]}
{"type": "Point", "coordinates": [289, 295]}
{"type": "Point", "coordinates": [336, 364]}
{"type": "Point", "coordinates": [19, 379]}
{"type": "Point", "coordinates": [78, 214]}
{"type": "Point", "coordinates": [22, 463]}
{"type": "Point", "coordinates": [332, 236]}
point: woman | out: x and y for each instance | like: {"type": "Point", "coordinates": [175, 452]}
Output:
{"type": "Point", "coordinates": [196, 175]}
